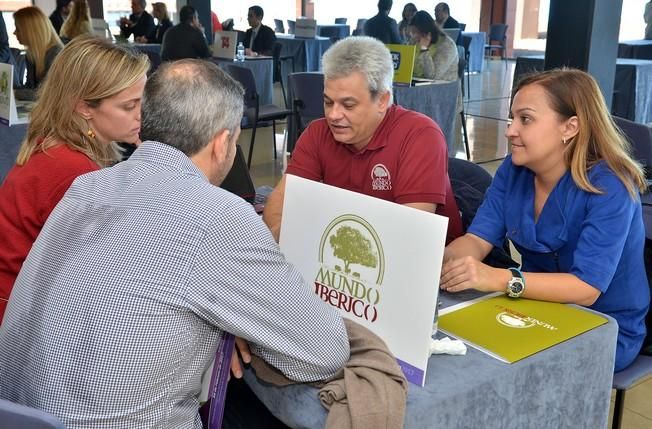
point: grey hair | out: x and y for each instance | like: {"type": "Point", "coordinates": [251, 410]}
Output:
{"type": "Point", "coordinates": [187, 102]}
{"type": "Point", "coordinates": [366, 55]}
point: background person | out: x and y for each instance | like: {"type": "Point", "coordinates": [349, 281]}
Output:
{"type": "Point", "coordinates": [140, 23]}
{"type": "Point", "coordinates": [444, 18]}
{"type": "Point", "coordinates": [568, 199]}
{"type": "Point", "coordinates": [259, 39]}
{"type": "Point", "coordinates": [408, 12]}
{"type": "Point", "coordinates": [78, 21]}
{"type": "Point", "coordinates": [381, 26]}
{"type": "Point", "coordinates": [34, 31]}
{"type": "Point", "coordinates": [160, 12]}
{"type": "Point", "coordinates": [186, 39]}
{"type": "Point", "coordinates": [437, 56]}
{"type": "Point", "coordinates": [92, 99]}
{"type": "Point", "coordinates": [58, 16]}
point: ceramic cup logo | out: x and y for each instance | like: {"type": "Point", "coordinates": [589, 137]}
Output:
{"type": "Point", "coordinates": [512, 320]}
{"type": "Point", "coordinates": [351, 267]}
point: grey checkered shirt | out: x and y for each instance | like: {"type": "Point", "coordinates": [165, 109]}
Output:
{"type": "Point", "coordinates": [125, 294]}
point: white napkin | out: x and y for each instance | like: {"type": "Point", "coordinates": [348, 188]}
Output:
{"type": "Point", "coordinates": [447, 346]}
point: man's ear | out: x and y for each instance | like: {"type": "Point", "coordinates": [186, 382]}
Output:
{"type": "Point", "coordinates": [383, 104]}
{"type": "Point", "coordinates": [220, 145]}
{"type": "Point", "coordinates": [83, 109]}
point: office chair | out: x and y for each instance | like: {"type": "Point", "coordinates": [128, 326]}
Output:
{"type": "Point", "coordinates": [497, 33]}
{"type": "Point", "coordinates": [14, 415]}
{"type": "Point", "coordinates": [254, 112]}
{"type": "Point", "coordinates": [278, 26]}
{"type": "Point", "coordinates": [461, 65]}
{"type": "Point", "coordinates": [307, 91]}
{"type": "Point", "coordinates": [340, 20]}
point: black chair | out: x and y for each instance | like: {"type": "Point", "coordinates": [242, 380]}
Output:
{"type": "Point", "coordinates": [291, 25]}
{"type": "Point", "coordinates": [307, 90]}
{"type": "Point", "coordinates": [640, 137]}
{"type": "Point", "coordinates": [20, 65]}
{"type": "Point", "coordinates": [333, 33]}
{"type": "Point", "coordinates": [470, 182]}
{"type": "Point", "coordinates": [20, 416]}
{"type": "Point", "coordinates": [278, 26]}
{"type": "Point", "coordinates": [228, 25]}
{"type": "Point", "coordinates": [278, 69]}
{"type": "Point", "coordinates": [466, 44]}
{"type": "Point", "coordinates": [462, 26]}
{"type": "Point", "coordinates": [497, 33]}
{"type": "Point", "coordinates": [461, 65]}
{"type": "Point", "coordinates": [359, 27]}
{"type": "Point", "coordinates": [254, 112]}
{"type": "Point", "coordinates": [340, 20]}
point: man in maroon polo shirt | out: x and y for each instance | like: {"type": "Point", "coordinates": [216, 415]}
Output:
{"type": "Point", "coordinates": [365, 144]}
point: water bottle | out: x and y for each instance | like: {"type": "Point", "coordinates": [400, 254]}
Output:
{"type": "Point", "coordinates": [240, 56]}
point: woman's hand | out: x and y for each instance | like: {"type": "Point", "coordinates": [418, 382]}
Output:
{"type": "Point", "coordinates": [425, 40]}
{"type": "Point", "coordinates": [469, 273]}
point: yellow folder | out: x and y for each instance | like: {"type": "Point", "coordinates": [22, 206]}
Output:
{"type": "Point", "coordinates": [512, 329]}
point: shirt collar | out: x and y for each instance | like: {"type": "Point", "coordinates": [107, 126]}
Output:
{"type": "Point", "coordinates": [165, 155]}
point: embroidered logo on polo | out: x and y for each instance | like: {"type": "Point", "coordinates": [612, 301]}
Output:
{"type": "Point", "coordinates": [351, 267]}
{"type": "Point", "coordinates": [381, 180]}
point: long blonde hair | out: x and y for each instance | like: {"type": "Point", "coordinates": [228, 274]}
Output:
{"type": "Point", "coordinates": [575, 93]}
{"type": "Point", "coordinates": [162, 10]}
{"type": "Point", "coordinates": [88, 69]}
{"type": "Point", "coordinates": [38, 35]}
{"type": "Point", "coordinates": [78, 22]}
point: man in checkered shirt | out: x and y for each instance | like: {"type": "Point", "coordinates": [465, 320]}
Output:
{"type": "Point", "coordinates": [141, 267]}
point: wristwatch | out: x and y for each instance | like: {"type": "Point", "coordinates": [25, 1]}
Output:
{"type": "Point", "coordinates": [516, 286]}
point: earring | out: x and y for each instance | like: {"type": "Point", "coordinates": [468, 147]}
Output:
{"type": "Point", "coordinates": [564, 141]}
{"type": "Point", "coordinates": [90, 133]}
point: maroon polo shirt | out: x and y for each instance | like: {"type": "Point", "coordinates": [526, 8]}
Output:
{"type": "Point", "coordinates": [406, 161]}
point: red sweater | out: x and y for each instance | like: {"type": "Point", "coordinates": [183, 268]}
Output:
{"type": "Point", "coordinates": [27, 196]}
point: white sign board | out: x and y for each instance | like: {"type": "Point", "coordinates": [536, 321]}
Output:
{"type": "Point", "coordinates": [305, 28]}
{"type": "Point", "coordinates": [8, 112]}
{"type": "Point", "coordinates": [377, 262]}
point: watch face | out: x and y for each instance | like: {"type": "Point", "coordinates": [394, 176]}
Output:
{"type": "Point", "coordinates": [516, 286]}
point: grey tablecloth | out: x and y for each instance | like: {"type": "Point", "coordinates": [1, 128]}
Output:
{"type": "Point", "coordinates": [438, 101]}
{"type": "Point", "coordinates": [10, 140]}
{"type": "Point", "coordinates": [306, 52]}
{"type": "Point", "coordinates": [632, 86]}
{"type": "Point", "coordinates": [638, 49]}
{"type": "Point", "coordinates": [476, 50]}
{"type": "Point", "coordinates": [262, 69]}
{"type": "Point", "coordinates": [566, 386]}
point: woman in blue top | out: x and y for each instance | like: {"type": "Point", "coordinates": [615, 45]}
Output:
{"type": "Point", "coordinates": [568, 199]}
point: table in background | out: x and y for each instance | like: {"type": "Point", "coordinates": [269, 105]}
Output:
{"type": "Point", "coordinates": [568, 385]}
{"type": "Point", "coordinates": [306, 52]}
{"type": "Point", "coordinates": [336, 31]}
{"type": "Point", "coordinates": [476, 50]}
{"type": "Point", "coordinates": [437, 101]}
{"type": "Point", "coordinates": [10, 140]}
{"type": "Point", "coordinates": [638, 49]}
{"type": "Point", "coordinates": [632, 86]}
{"type": "Point", "coordinates": [263, 70]}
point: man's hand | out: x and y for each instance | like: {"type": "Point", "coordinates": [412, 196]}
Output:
{"type": "Point", "coordinates": [242, 347]}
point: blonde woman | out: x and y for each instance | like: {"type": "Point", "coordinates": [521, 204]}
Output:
{"type": "Point", "coordinates": [160, 12]}
{"type": "Point", "coordinates": [78, 22]}
{"type": "Point", "coordinates": [90, 100]}
{"type": "Point", "coordinates": [34, 31]}
{"type": "Point", "coordinates": [568, 199]}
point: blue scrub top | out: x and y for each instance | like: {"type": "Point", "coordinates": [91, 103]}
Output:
{"type": "Point", "coordinates": [597, 237]}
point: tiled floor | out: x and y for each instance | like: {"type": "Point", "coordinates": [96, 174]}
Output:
{"type": "Point", "coordinates": [487, 111]}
